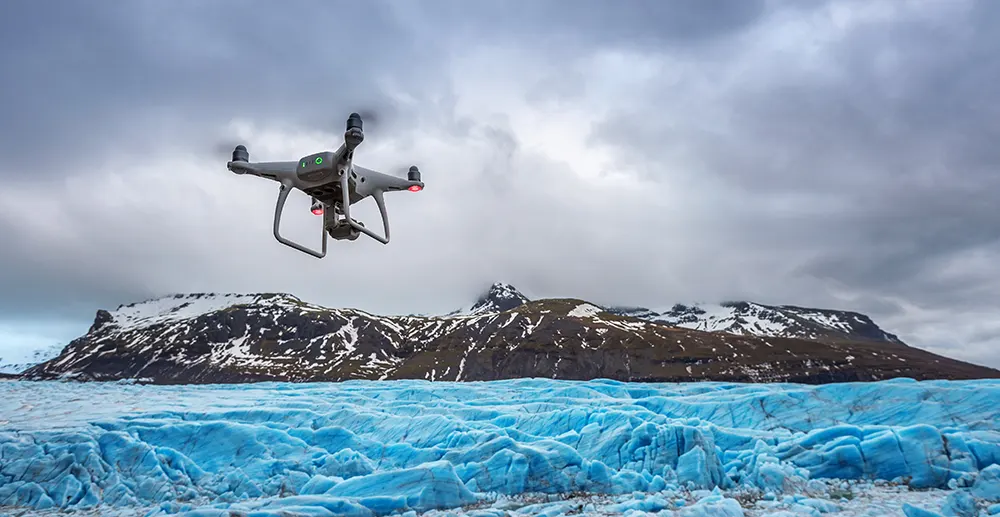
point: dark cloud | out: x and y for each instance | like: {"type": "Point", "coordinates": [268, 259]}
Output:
{"type": "Point", "coordinates": [840, 154]}
{"type": "Point", "coordinates": [143, 64]}
{"type": "Point", "coordinates": [892, 132]}
{"type": "Point", "coordinates": [596, 23]}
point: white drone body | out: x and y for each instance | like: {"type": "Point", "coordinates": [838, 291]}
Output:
{"type": "Point", "coordinates": [334, 183]}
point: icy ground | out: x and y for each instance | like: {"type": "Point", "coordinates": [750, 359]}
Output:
{"type": "Point", "coordinates": [526, 447]}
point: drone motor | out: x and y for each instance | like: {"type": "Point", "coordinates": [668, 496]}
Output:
{"type": "Point", "coordinates": [414, 175]}
{"type": "Point", "coordinates": [354, 121]}
{"type": "Point", "coordinates": [240, 154]}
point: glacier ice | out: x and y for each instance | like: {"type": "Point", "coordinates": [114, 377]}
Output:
{"type": "Point", "coordinates": [379, 448]}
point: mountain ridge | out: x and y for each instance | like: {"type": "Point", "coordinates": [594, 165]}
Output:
{"type": "Point", "coordinates": [734, 317]}
{"type": "Point", "coordinates": [222, 338]}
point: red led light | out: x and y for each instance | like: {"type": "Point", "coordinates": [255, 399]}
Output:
{"type": "Point", "coordinates": [317, 211]}
{"type": "Point", "coordinates": [415, 188]}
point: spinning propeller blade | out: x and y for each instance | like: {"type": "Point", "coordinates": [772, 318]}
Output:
{"type": "Point", "coordinates": [225, 147]}
{"type": "Point", "coordinates": [373, 117]}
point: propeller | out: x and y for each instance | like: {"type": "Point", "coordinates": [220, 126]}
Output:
{"type": "Point", "coordinates": [400, 170]}
{"type": "Point", "coordinates": [224, 147]}
{"type": "Point", "coordinates": [374, 117]}
{"type": "Point", "coordinates": [370, 116]}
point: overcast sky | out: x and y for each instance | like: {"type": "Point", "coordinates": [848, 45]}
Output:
{"type": "Point", "coordinates": [841, 154]}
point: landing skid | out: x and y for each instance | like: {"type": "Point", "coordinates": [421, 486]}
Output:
{"type": "Point", "coordinates": [340, 228]}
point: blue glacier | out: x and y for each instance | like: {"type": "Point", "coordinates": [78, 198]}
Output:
{"type": "Point", "coordinates": [530, 446]}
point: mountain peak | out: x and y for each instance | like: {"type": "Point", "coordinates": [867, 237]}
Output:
{"type": "Point", "coordinates": [498, 298]}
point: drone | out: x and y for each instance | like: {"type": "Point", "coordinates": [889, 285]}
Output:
{"type": "Point", "coordinates": [334, 183]}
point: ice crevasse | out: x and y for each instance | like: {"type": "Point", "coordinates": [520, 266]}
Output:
{"type": "Point", "coordinates": [378, 448]}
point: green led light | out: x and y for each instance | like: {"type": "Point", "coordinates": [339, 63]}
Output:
{"type": "Point", "coordinates": [303, 165]}
{"type": "Point", "coordinates": [319, 160]}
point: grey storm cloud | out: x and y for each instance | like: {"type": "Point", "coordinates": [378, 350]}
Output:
{"type": "Point", "coordinates": [839, 154]}
{"type": "Point", "coordinates": [898, 135]}
{"type": "Point", "coordinates": [116, 69]}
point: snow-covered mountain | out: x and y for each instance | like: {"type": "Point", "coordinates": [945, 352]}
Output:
{"type": "Point", "coordinates": [498, 298]}
{"type": "Point", "coordinates": [743, 318]}
{"type": "Point", "coordinates": [754, 319]}
{"type": "Point", "coordinates": [255, 337]}
{"type": "Point", "coordinates": [13, 364]}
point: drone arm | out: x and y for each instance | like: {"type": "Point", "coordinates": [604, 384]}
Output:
{"type": "Point", "coordinates": [385, 182]}
{"type": "Point", "coordinates": [278, 171]}
{"type": "Point", "coordinates": [278, 209]}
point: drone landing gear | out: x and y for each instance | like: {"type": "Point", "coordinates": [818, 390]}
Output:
{"type": "Point", "coordinates": [283, 191]}
{"type": "Point", "coordinates": [343, 228]}
{"type": "Point", "coordinates": [356, 225]}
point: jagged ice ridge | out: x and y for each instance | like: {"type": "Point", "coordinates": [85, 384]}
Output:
{"type": "Point", "coordinates": [378, 448]}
